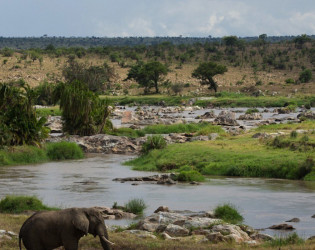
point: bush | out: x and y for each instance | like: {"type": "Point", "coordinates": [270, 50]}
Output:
{"type": "Point", "coordinates": [305, 76]}
{"type": "Point", "coordinates": [153, 142]}
{"type": "Point", "coordinates": [190, 175]}
{"type": "Point", "coordinates": [63, 151]}
{"type": "Point", "coordinates": [135, 206]}
{"type": "Point", "coordinates": [293, 134]}
{"type": "Point", "coordinates": [289, 81]}
{"type": "Point", "coordinates": [228, 213]}
{"type": "Point", "coordinates": [19, 204]}
{"type": "Point", "coordinates": [44, 93]}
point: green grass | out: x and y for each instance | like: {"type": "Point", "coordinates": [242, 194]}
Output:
{"type": "Point", "coordinates": [235, 156]}
{"type": "Point", "coordinates": [19, 204]}
{"type": "Point", "coordinates": [223, 99]}
{"type": "Point", "coordinates": [135, 206]}
{"type": "Point", "coordinates": [63, 151]}
{"type": "Point", "coordinates": [228, 213]}
{"type": "Point", "coordinates": [291, 239]}
{"type": "Point", "coordinates": [53, 111]}
{"type": "Point", "coordinates": [22, 155]}
{"type": "Point", "coordinates": [307, 125]}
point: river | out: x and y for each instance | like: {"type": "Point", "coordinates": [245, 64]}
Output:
{"type": "Point", "coordinates": [88, 182]}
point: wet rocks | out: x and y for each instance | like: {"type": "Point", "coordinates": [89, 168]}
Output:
{"type": "Point", "coordinates": [293, 220]}
{"type": "Point", "coordinates": [226, 118]}
{"type": "Point", "coordinates": [306, 115]}
{"type": "Point", "coordinates": [114, 214]}
{"type": "Point", "coordinates": [313, 216]}
{"type": "Point", "coordinates": [54, 123]}
{"type": "Point", "coordinates": [282, 227]}
{"type": "Point", "coordinates": [167, 179]}
{"type": "Point", "coordinates": [253, 116]}
{"type": "Point", "coordinates": [162, 209]}
{"type": "Point", "coordinates": [206, 115]}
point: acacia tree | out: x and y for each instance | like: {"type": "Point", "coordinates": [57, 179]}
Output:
{"type": "Point", "coordinates": [206, 71]}
{"type": "Point", "coordinates": [148, 74]}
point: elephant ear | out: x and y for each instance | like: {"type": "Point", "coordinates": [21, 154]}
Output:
{"type": "Point", "coordinates": [81, 222]}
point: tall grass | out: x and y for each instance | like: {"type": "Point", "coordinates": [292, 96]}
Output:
{"type": "Point", "coordinates": [291, 239]}
{"type": "Point", "coordinates": [19, 204]}
{"type": "Point", "coordinates": [228, 213]}
{"type": "Point", "coordinates": [21, 155]}
{"type": "Point", "coordinates": [135, 206]}
{"type": "Point", "coordinates": [63, 151]}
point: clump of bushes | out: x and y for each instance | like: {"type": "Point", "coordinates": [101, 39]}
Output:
{"type": "Point", "coordinates": [136, 206]}
{"type": "Point", "coordinates": [63, 151]}
{"type": "Point", "coordinates": [188, 174]}
{"type": "Point", "coordinates": [153, 142]}
{"type": "Point", "coordinates": [305, 76]}
{"type": "Point", "coordinates": [19, 204]}
{"type": "Point", "coordinates": [228, 213]}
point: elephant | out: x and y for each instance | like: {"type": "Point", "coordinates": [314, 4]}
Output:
{"type": "Point", "coordinates": [48, 230]}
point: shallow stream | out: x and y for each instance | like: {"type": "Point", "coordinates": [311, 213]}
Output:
{"type": "Point", "coordinates": [88, 182]}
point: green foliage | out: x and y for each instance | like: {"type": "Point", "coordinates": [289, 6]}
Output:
{"type": "Point", "coordinates": [293, 134]}
{"type": "Point", "coordinates": [206, 71]}
{"type": "Point", "coordinates": [148, 74]}
{"type": "Point", "coordinates": [291, 239]}
{"type": "Point", "coordinates": [135, 206]}
{"type": "Point", "coordinates": [97, 78]}
{"type": "Point", "coordinates": [305, 76]}
{"type": "Point", "coordinates": [188, 174]}
{"type": "Point", "coordinates": [228, 213]}
{"type": "Point", "coordinates": [44, 92]}
{"type": "Point", "coordinates": [20, 204]}
{"type": "Point", "coordinates": [129, 132]}
{"type": "Point", "coordinates": [19, 123]}
{"type": "Point", "coordinates": [83, 112]}
{"type": "Point", "coordinates": [44, 112]}
{"type": "Point", "coordinates": [251, 111]}
{"type": "Point", "coordinates": [63, 151]}
{"type": "Point", "coordinates": [153, 142]}
{"type": "Point", "coordinates": [289, 81]}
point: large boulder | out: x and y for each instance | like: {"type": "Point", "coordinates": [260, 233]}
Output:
{"type": "Point", "coordinates": [176, 231]}
{"type": "Point", "coordinates": [226, 118]}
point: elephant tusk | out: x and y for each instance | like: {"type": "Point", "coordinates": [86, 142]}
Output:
{"type": "Point", "coordinates": [109, 242]}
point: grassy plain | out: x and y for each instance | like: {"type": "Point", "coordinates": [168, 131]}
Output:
{"type": "Point", "coordinates": [123, 240]}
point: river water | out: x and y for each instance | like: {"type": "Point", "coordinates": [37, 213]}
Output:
{"type": "Point", "coordinates": [88, 182]}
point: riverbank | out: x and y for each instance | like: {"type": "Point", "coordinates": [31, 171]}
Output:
{"type": "Point", "coordinates": [220, 99]}
{"type": "Point", "coordinates": [126, 240]}
{"type": "Point", "coordinates": [21, 155]}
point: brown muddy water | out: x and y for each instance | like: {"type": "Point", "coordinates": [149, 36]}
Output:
{"type": "Point", "coordinates": [88, 182]}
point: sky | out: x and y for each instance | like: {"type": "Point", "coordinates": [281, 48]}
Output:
{"type": "Point", "coordinates": [189, 18]}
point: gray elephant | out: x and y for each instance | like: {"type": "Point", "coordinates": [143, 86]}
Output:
{"type": "Point", "coordinates": [51, 229]}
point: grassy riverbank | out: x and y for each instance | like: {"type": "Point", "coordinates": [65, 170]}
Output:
{"type": "Point", "coordinates": [239, 156]}
{"type": "Point", "coordinates": [21, 155]}
{"type": "Point", "coordinates": [123, 240]}
{"type": "Point", "coordinates": [221, 99]}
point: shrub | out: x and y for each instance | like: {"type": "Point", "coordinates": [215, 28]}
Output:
{"type": "Point", "coordinates": [305, 76]}
{"type": "Point", "coordinates": [228, 213]}
{"type": "Point", "coordinates": [63, 151]}
{"type": "Point", "coordinates": [251, 111]}
{"type": "Point", "coordinates": [190, 175]}
{"type": "Point", "coordinates": [293, 134]}
{"type": "Point", "coordinates": [135, 206]}
{"type": "Point", "coordinates": [19, 204]}
{"type": "Point", "coordinates": [26, 155]}
{"type": "Point", "coordinates": [290, 239]}
{"type": "Point", "coordinates": [289, 81]}
{"type": "Point", "coordinates": [153, 142]}
{"type": "Point", "coordinates": [44, 93]}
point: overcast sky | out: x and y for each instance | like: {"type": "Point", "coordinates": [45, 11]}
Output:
{"type": "Point", "coordinates": [112, 18]}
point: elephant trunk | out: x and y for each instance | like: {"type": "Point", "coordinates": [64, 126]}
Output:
{"type": "Point", "coordinates": [105, 243]}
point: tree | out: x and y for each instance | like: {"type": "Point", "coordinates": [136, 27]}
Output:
{"type": "Point", "coordinates": [305, 76]}
{"type": "Point", "coordinates": [97, 78]}
{"type": "Point", "coordinates": [148, 74]}
{"type": "Point", "coordinates": [206, 71]}
{"type": "Point", "coordinates": [301, 40]}
{"type": "Point", "coordinates": [19, 124]}
{"type": "Point", "coordinates": [230, 40]}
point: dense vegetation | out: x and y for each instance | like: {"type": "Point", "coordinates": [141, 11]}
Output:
{"type": "Point", "coordinates": [20, 204]}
